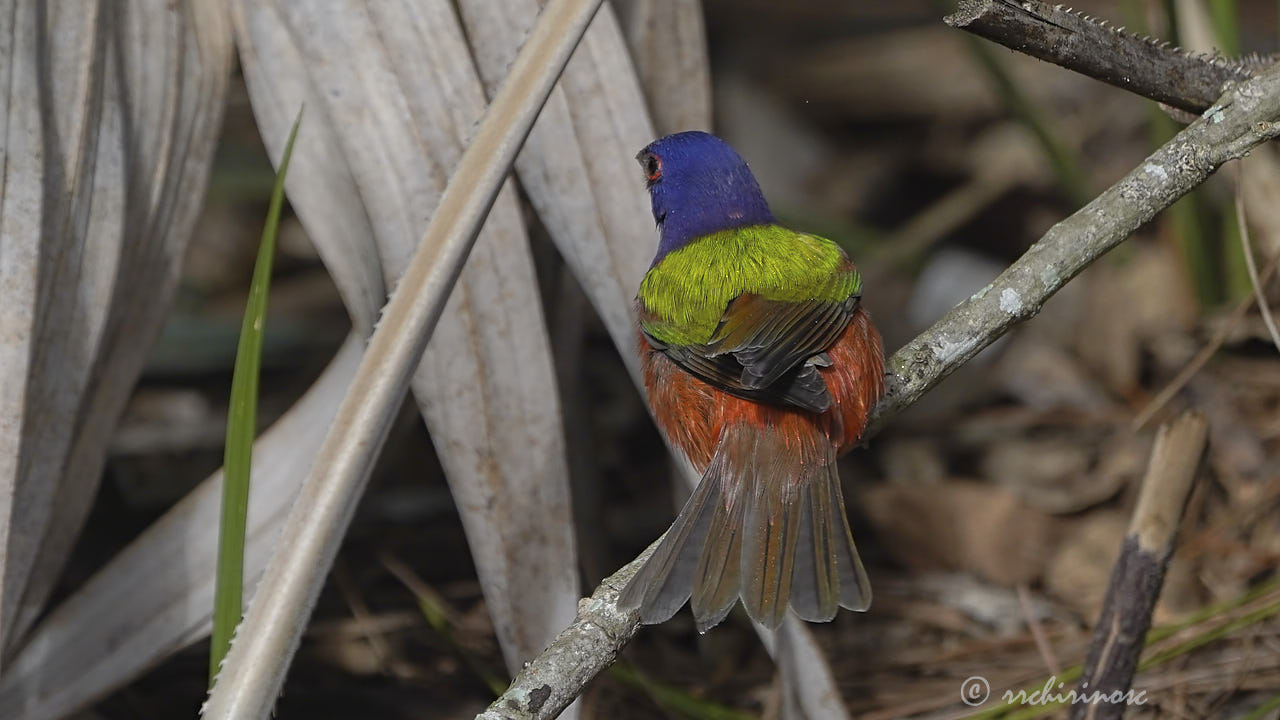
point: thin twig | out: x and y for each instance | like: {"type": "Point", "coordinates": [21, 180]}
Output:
{"type": "Point", "coordinates": [360, 612]}
{"type": "Point", "coordinates": [440, 614]}
{"type": "Point", "coordinates": [443, 619]}
{"type": "Point", "coordinates": [1138, 575]}
{"type": "Point", "coordinates": [1248, 117]}
{"type": "Point", "coordinates": [1092, 47]}
{"type": "Point", "coordinates": [1037, 631]}
{"type": "Point", "coordinates": [1259, 292]}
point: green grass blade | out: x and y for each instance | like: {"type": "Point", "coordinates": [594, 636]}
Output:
{"type": "Point", "coordinates": [1006, 711]}
{"type": "Point", "coordinates": [1264, 710]}
{"type": "Point", "coordinates": [1224, 16]}
{"type": "Point", "coordinates": [1238, 285]}
{"type": "Point", "coordinates": [241, 428]}
{"type": "Point", "coordinates": [1072, 181]}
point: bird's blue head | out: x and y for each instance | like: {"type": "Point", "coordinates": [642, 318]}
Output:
{"type": "Point", "coordinates": [699, 186]}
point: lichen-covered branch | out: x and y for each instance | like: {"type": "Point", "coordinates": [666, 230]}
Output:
{"type": "Point", "coordinates": [1247, 116]}
{"type": "Point", "coordinates": [1243, 118]}
{"type": "Point", "coordinates": [579, 653]}
{"type": "Point", "coordinates": [1101, 50]}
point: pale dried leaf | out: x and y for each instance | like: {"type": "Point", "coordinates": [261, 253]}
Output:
{"type": "Point", "coordinates": [577, 165]}
{"type": "Point", "coordinates": [1078, 569]}
{"type": "Point", "coordinates": [1060, 474]}
{"type": "Point", "coordinates": [807, 676]}
{"type": "Point", "coordinates": [668, 43]}
{"type": "Point", "coordinates": [1195, 29]}
{"type": "Point", "coordinates": [1042, 375]}
{"type": "Point", "coordinates": [111, 113]}
{"type": "Point", "coordinates": [1261, 185]}
{"type": "Point", "coordinates": [272, 628]}
{"type": "Point", "coordinates": [320, 184]}
{"type": "Point", "coordinates": [156, 596]}
{"type": "Point", "coordinates": [395, 81]}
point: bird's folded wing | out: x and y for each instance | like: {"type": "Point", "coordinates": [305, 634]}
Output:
{"type": "Point", "coordinates": [761, 347]}
{"type": "Point", "coordinates": [771, 337]}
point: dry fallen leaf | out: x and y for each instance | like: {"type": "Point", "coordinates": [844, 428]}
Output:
{"type": "Point", "coordinates": [393, 85]}
{"type": "Point", "coordinates": [1157, 300]}
{"type": "Point", "coordinates": [156, 596]}
{"type": "Point", "coordinates": [961, 526]}
{"type": "Point", "coordinates": [1060, 474]}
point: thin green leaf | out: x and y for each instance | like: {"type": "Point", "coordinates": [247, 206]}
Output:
{"type": "Point", "coordinates": [675, 701]}
{"type": "Point", "coordinates": [1225, 18]}
{"type": "Point", "coordinates": [440, 617]}
{"type": "Point", "coordinates": [242, 420]}
{"type": "Point", "coordinates": [1264, 710]}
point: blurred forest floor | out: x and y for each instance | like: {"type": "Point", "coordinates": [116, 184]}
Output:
{"type": "Point", "coordinates": [988, 515]}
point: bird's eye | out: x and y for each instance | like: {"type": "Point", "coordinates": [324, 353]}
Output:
{"type": "Point", "coordinates": [652, 168]}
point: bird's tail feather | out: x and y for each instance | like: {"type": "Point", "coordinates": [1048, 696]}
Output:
{"type": "Point", "coordinates": [766, 524]}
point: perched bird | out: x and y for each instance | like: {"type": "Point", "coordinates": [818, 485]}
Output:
{"type": "Point", "coordinates": [761, 367]}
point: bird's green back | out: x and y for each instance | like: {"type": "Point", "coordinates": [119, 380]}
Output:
{"type": "Point", "coordinates": [685, 293]}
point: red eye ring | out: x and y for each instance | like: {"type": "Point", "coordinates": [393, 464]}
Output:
{"type": "Point", "coordinates": [652, 168]}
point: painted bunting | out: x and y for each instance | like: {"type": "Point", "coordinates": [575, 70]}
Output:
{"type": "Point", "coordinates": [761, 367]}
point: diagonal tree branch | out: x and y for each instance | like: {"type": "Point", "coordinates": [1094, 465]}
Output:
{"type": "Point", "coordinates": [1094, 47]}
{"type": "Point", "coordinates": [1243, 118]}
{"type": "Point", "coordinates": [1248, 115]}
